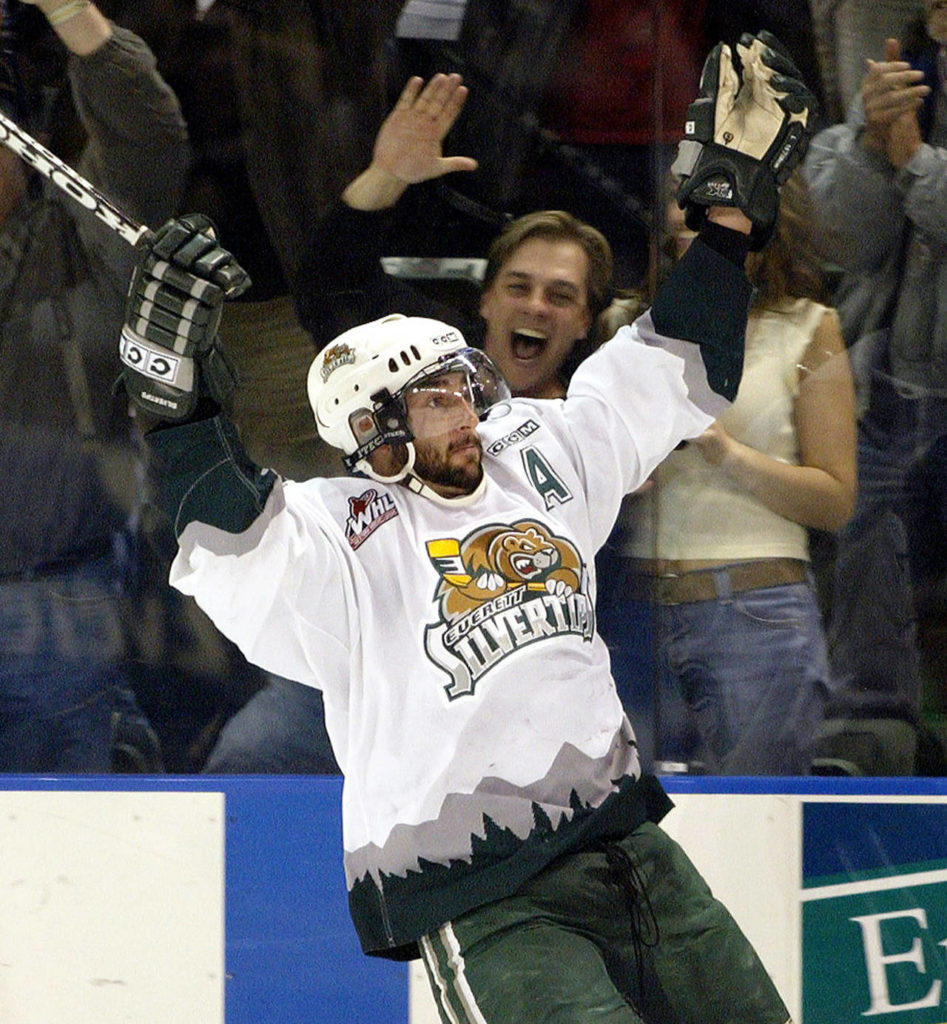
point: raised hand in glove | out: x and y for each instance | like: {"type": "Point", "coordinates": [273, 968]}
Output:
{"type": "Point", "coordinates": [744, 134]}
{"type": "Point", "coordinates": [169, 350]}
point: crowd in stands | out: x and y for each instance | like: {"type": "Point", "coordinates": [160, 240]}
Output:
{"type": "Point", "coordinates": [774, 598]}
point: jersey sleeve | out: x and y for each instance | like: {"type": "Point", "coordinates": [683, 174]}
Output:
{"type": "Point", "coordinates": [204, 474]}
{"type": "Point", "coordinates": [646, 390]}
{"type": "Point", "coordinates": [266, 568]}
{"type": "Point", "coordinates": [701, 313]}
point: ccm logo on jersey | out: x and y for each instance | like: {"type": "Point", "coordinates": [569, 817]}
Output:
{"type": "Point", "coordinates": [520, 434]}
{"type": "Point", "coordinates": [158, 365]}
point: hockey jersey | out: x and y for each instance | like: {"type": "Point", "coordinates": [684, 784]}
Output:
{"type": "Point", "coordinates": [468, 695]}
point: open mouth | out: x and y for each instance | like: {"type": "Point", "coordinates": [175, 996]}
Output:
{"type": "Point", "coordinates": [527, 343]}
{"type": "Point", "coordinates": [524, 565]}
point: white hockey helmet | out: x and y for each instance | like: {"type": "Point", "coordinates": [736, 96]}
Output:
{"type": "Point", "coordinates": [357, 384]}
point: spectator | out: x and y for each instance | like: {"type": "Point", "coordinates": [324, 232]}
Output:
{"type": "Point", "coordinates": [844, 31]}
{"type": "Point", "coordinates": [719, 543]}
{"type": "Point", "coordinates": [879, 179]}
{"type": "Point", "coordinates": [556, 306]}
{"type": "Point", "coordinates": [67, 450]}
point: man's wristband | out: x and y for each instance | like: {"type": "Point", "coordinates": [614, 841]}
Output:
{"type": "Point", "coordinates": [67, 12]}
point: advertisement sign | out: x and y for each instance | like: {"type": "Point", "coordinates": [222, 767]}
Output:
{"type": "Point", "coordinates": [222, 899]}
{"type": "Point", "coordinates": [874, 921]}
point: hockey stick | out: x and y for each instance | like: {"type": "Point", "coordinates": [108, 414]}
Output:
{"type": "Point", "coordinates": [70, 181]}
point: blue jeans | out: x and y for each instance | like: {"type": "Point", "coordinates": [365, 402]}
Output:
{"type": "Point", "coordinates": [280, 730]}
{"type": "Point", "coordinates": [627, 627]}
{"type": "Point", "coordinates": [733, 686]}
{"type": "Point", "coordinates": [62, 651]}
{"type": "Point", "coordinates": [894, 547]}
{"type": "Point", "coordinates": [744, 681]}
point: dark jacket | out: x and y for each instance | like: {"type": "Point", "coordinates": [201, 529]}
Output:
{"type": "Point", "coordinates": [67, 457]}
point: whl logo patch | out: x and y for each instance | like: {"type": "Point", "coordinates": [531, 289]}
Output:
{"type": "Point", "coordinates": [366, 513]}
{"type": "Point", "coordinates": [502, 588]}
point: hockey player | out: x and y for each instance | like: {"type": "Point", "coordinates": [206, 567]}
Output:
{"type": "Point", "coordinates": [496, 820]}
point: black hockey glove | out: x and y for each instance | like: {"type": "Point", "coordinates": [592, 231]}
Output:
{"type": "Point", "coordinates": [743, 137]}
{"type": "Point", "coordinates": [169, 350]}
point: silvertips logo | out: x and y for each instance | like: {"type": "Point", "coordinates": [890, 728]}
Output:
{"type": "Point", "coordinates": [500, 589]}
{"type": "Point", "coordinates": [338, 355]}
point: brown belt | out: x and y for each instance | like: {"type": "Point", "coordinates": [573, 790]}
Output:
{"type": "Point", "coordinates": [711, 584]}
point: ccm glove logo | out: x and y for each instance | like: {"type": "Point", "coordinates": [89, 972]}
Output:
{"type": "Point", "coordinates": [155, 363]}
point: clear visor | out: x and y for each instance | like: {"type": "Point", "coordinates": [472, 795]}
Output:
{"type": "Point", "coordinates": [454, 393]}
{"type": "Point", "coordinates": [468, 377]}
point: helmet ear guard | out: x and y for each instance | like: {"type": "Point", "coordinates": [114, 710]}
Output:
{"type": "Point", "coordinates": [385, 424]}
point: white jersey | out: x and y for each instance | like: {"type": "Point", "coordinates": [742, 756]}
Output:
{"type": "Point", "coordinates": [468, 695]}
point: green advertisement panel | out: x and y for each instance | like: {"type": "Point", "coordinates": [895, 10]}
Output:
{"type": "Point", "coordinates": [874, 914]}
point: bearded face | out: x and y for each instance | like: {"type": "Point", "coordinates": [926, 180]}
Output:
{"type": "Point", "coordinates": [448, 450]}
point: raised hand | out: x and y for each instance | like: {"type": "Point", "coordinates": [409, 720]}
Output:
{"type": "Point", "coordinates": [409, 143]}
{"type": "Point", "coordinates": [169, 349]}
{"type": "Point", "coordinates": [892, 93]}
{"type": "Point", "coordinates": [744, 134]}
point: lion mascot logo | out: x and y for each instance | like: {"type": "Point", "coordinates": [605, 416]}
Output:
{"type": "Point", "coordinates": [497, 559]}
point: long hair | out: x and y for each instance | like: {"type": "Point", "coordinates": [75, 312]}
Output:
{"type": "Point", "coordinates": [789, 266]}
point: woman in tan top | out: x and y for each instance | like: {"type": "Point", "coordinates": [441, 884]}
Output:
{"type": "Point", "coordinates": [719, 542]}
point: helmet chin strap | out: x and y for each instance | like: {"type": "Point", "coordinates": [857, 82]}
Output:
{"type": "Point", "coordinates": [413, 482]}
{"type": "Point", "coordinates": [364, 466]}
